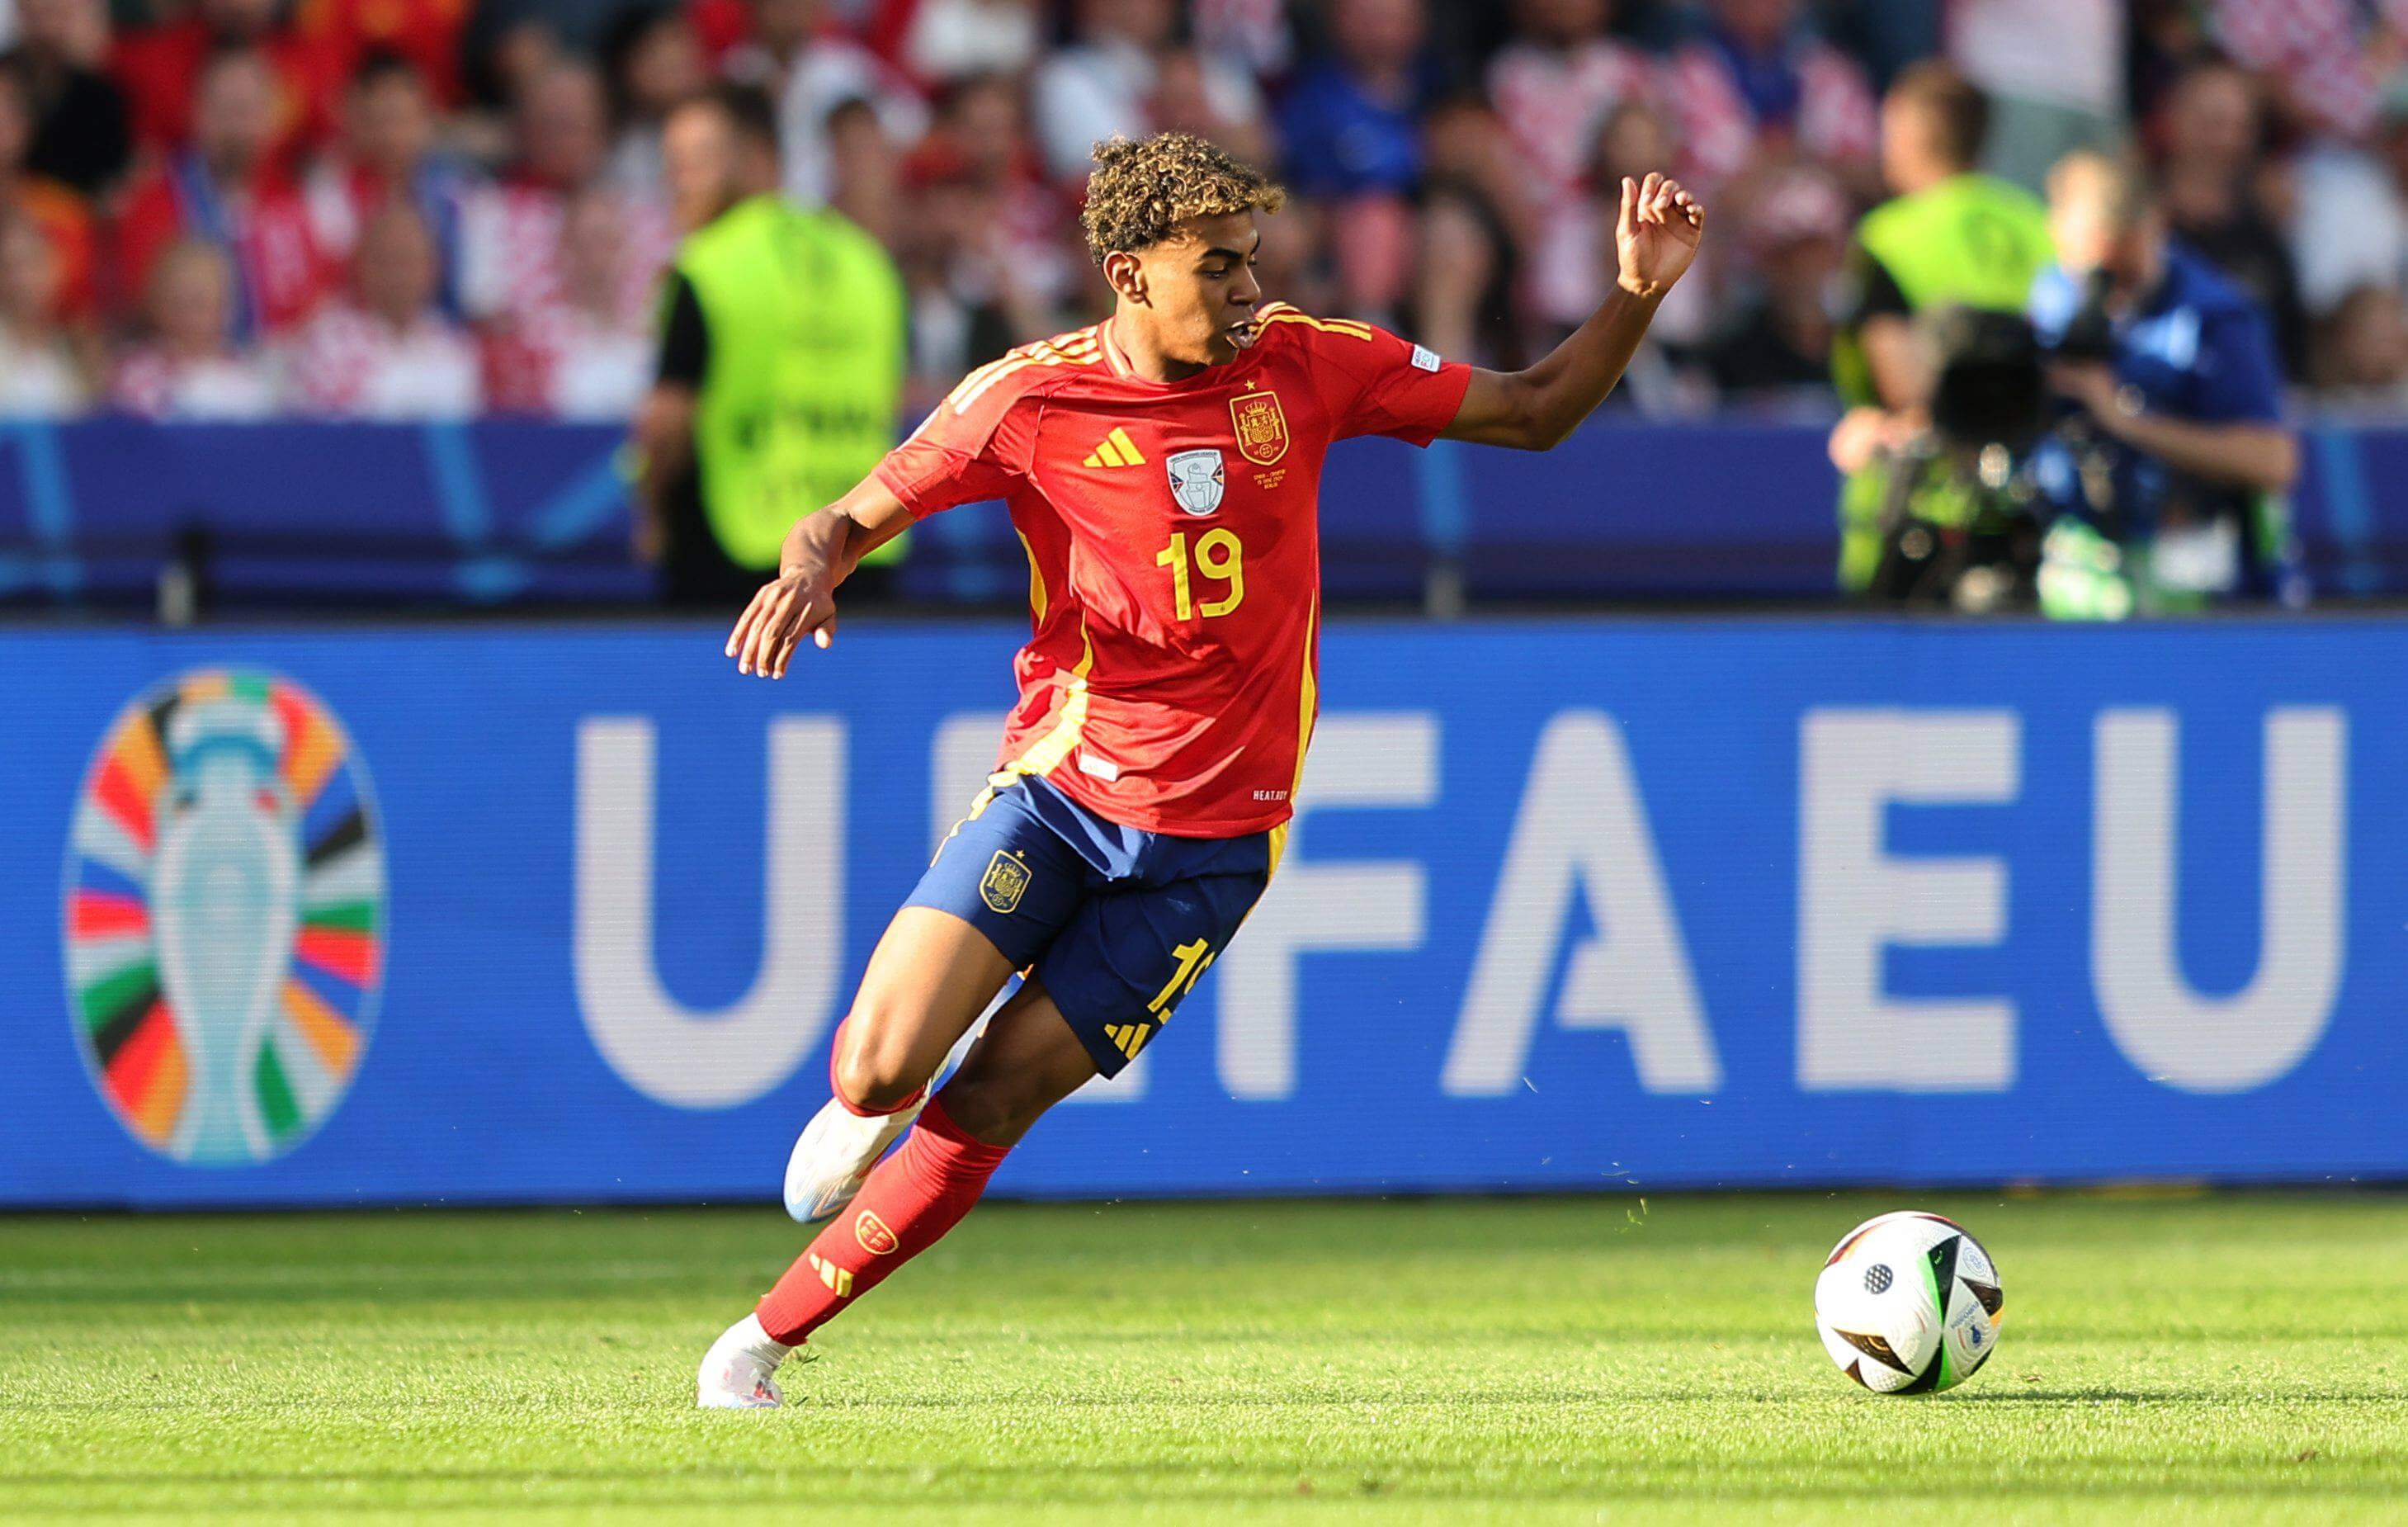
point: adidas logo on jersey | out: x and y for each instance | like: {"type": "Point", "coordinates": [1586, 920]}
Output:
{"type": "Point", "coordinates": [1117, 450]}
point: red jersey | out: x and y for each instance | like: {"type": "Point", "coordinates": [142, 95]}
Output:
{"type": "Point", "coordinates": [1174, 551]}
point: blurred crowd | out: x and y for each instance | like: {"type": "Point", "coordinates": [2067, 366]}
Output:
{"type": "Point", "coordinates": [229, 209]}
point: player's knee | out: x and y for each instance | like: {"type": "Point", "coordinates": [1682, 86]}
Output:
{"type": "Point", "coordinates": [875, 1070]}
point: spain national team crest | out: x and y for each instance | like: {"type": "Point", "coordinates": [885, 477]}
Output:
{"type": "Point", "coordinates": [1195, 480]}
{"type": "Point", "coordinates": [1005, 882]}
{"type": "Point", "coordinates": [1262, 429]}
{"type": "Point", "coordinates": [873, 1233]}
{"type": "Point", "coordinates": [225, 916]}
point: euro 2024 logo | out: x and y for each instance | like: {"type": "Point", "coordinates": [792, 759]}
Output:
{"type": "Point", "coordinates": [225, 916]}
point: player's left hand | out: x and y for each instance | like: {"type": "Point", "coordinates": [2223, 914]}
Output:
{"type": "Point", "coordinates": [1656, 235]}
{"type": "Point", "coordinates": [778, 619]}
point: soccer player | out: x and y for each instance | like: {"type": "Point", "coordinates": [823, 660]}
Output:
{"type": "Point", "coordinates": [1163, 469]}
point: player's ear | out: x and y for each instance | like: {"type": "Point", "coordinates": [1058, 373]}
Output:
{"type": "Point", "coordinates": [1125, 274]}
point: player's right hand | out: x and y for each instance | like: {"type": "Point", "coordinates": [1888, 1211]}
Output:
{"type": "Point", "coordinates": [778, 619]}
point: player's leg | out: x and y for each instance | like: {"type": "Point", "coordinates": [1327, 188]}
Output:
{"type": "Point", "coordinates": [1002, 885]}
{"type": "Point", "coordinates": [1028, 1061]}
{"type": "Point", "coordinates": [1107, 984]}
{"type": "Point", "coordinates": [929, 978]}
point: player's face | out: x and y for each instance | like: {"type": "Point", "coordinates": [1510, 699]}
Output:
{"type": "Point", "coordinates": [1200, 288]}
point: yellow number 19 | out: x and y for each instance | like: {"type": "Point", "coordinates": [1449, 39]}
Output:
{"type": "Point", "coordinates": [1219, 555]}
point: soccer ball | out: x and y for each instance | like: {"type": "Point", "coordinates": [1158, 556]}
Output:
{"type": "Point", "coordinates": [1908, 1303]}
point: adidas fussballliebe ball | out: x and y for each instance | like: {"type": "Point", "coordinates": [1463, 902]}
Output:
{"type": "Point", "coordinates": [1908, 1303]}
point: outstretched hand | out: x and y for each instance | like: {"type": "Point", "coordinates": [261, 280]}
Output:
{"type": "Point", "coordinates": [775, 621]}
{"type": "Point", "coordinates": [1656, 233]}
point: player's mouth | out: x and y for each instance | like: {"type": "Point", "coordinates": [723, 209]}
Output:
{"type": "Point", "coordinates": [1242, 333]}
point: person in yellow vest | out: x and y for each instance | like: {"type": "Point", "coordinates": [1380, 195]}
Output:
{"type": "Point", "coordinates": [781, 363]}
{"type": "Point", "coordinates": [1951, 236]}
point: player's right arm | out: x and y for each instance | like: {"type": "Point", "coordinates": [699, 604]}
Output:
{"type": "Point", "coordinates": [819, 553]}
{"type": "Point", "coordinates": [975, 445]}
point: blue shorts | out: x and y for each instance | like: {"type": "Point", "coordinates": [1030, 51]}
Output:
{"type": "Point", "coordinates": [1116, 923]}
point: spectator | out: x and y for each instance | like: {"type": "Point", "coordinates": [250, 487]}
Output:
{"type": "Point", "coordinates": [2187, 412]}
{"type": "Point", "coordinates": [160, 68]}
{"type": "Point", "coordinates": [2210, 140]}
{"type": "Point", "coordinates": [387, 350]}
{"type": "Point", "coordinates": [2053, 71]}
{"type": "Point", "coordinates": [1755, 88]}
{"type": "Point", "coordinates": [1637, 138]}
{"type": "Point", "coordinates": [1556, 83]}
{"type": "Point", "coordinates": [425, 33]}
{"type": "Point", "coordinates": [386, 153]}
{"type": "Point", "coordinates": [1104, 82]}
{"type": "Point", "coordinates": [981, 138]}
{"type": "Point", "coordinates": [1249, 35]}
{"type": "Point", "coordinates": [42, 375]}
{"type": "Point", "coordinates": [1352, 120]}
{"type": "Point", "coordinates": [2336, 256]}
{"type": "Point", "coordinates": [2325, 60]}
{"type": "Point", "coordinates": [190, 368]}
{"type": "Point", "coordinates": [950, 40]}
{"type": "Point", "coordinates": [1186, 98]}
{"type": "Point", "coordinates": [809, 69]}
{"type": "Point", "coordinates": [589, 355]}
{"type": "Point", "coordinates": [512, 230]}
{"type": "Point", "coordinates": [1468, 263]}
{"type": "Point", "coordinates": [227, 189]}
{"type": "Point", "coordinates": [80, 134]}
{"type": "Point", "coordinates": [867, 183]}
{"type": "Point", "coordinates": [54, 210]}
{"type": "Point", "coordinates": [2362, 363]}
{"type": "Point", "coordinates": [1558, 78]}
{"type": "Point", "coordinates": [782, 360]}
{"type": "Point", "coordinates": [1778, 347]}
{"type": "Point", "coordinates": [971, 298]}
{"type": "Point", "coordinates": [651, 61]}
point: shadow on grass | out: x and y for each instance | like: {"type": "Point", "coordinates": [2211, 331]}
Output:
{"type": "Point", "coordinates": [1131, 1484]}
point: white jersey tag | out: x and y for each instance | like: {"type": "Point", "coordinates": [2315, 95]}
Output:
{"type": "Point", "coordinates": [1426, 358]}
{"type": "Point", "coordinates": [1103, 768]}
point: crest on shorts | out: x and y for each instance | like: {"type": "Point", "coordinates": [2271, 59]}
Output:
{"type": "Point", "coordinates": [1262, 429]}
{"type": "Point", "coordinates": [1195, 480]}
{"type": "Point", "coordinates": [1005, 882]}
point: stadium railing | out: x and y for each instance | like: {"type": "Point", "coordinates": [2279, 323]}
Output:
{"type": "Point", "coordinates": [515, 512]}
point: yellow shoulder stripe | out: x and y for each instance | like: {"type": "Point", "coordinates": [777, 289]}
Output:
{"type": "Point", "coordinates": [1328, 326]}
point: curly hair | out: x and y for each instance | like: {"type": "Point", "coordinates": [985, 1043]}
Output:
{"type": "Point", "coordinates": [1139, 190]}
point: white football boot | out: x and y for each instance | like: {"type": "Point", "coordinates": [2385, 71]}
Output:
{"type": "Point", "coordinates": [740, 1372]}
{"type": "Point", "coordinates": [833, 1155]}
{"type": "Point", "coordinates": [833, 1158]}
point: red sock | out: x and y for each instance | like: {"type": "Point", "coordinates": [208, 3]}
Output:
{"type": "Point", "coordinates": [910, 1200]}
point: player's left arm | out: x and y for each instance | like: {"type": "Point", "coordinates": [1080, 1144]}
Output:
{"type": "Point", "coordinates": [1656, 236]}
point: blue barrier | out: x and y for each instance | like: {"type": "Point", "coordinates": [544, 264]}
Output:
{"type": "Point", "coordinates": [499, 512]}
{"type": "Point", "coordinates": [496, 915]}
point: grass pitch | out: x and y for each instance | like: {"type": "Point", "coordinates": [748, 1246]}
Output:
{"type": "Point", "coordinates": [2241, 1357]}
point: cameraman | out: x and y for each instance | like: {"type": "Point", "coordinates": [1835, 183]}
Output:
{"type": "Point", "coordinates": [2170, 486]}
